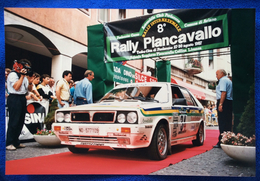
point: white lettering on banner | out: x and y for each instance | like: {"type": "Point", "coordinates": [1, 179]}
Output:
{"type": "Point", "coordinates": [129, 46]}
{"type": "Point", "coordinates": [117, 69]}
{"type": "Point", "coordinates": [129, 74]}
{"type": "Point", "coordinates": [34, 118]}
{"type": "Point", "coordinates": [183, 38]}
{"type": "Point", "coordinates": [144, 78]}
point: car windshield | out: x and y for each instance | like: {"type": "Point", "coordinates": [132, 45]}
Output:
{"type": "Point", "coordinates": [138, 93]}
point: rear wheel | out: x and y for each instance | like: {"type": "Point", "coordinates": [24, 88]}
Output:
{"type": "Point", "coordinates": [158, 148]}
{"type": "Point", "coordinates": [73, 149]}
{"type": "Point", "coordinates": [200, 136]}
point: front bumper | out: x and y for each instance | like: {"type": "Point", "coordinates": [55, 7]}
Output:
{"type": "Point", "coordinates": [103, 136]}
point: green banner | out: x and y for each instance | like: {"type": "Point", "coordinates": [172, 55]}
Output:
{"type": "Point", "coordinates": [167, 33]}
{"type": "Point", "coordinates": [123, 74]}
{"type": "Point", "coordinates": [103, 81]}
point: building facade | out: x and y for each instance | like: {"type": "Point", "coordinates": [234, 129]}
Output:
{"type": "Point", "coordinates": [55, 40]}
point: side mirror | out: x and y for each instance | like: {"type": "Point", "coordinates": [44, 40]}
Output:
{"type": "Point", "coordinates": [179, 101]}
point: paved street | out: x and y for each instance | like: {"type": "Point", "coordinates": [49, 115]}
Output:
{"type": "Point", "coordinates": [212, 163]}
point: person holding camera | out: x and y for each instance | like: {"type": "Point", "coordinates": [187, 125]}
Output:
{"type": "Point", "coordinates": [18, 85]}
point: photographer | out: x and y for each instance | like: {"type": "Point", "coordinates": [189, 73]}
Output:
{"type": "Point", "coordinates": [18, 85]}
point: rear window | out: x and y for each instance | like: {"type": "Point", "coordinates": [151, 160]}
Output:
{"type": "Point", "coordinates": [187, 97]}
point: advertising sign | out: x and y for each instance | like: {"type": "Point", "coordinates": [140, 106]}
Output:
{"type": "Point", "coordinates": [34, 118]}
{"type": "Point", "coordinates": [167, 33]}
{"type": "Point", "coordinates": [123, 74]}
{"type": "Point", "coordinates": [139, 77]}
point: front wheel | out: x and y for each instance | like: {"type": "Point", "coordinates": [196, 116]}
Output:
{"type": "Point", "coordinates": [199, 137]}
{"type": "Point", "coordinates": [158, 148]}
{"type": "Point", "coordinates": [73, 149]}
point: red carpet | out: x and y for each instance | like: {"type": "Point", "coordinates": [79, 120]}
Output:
{"type": "Point", "coordinates": [106, 162]}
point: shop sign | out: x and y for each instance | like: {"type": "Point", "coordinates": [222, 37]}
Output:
{"type": "Point", "coordinates": [139, 77]}
{"type": "Point", "coordinates": [166, 33]}
{"type": "Point", "coordinates": [123, 74]}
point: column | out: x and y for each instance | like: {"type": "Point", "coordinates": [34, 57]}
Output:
{"type": "Point", "coordinates": [59, 64]}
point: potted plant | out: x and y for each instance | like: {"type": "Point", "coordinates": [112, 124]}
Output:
{"type": "Point", "coordinates": [238, 146]}
{"type": "Point", "coordinates": [46, 136]}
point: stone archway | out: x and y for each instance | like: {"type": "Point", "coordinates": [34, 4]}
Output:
{"type": "Point", "coordinates": [79, 65]}
{"type": "Point", "coordinates": [25, 42]}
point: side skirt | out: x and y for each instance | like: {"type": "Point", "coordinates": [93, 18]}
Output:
{"type": "Point", "coordinates": [181, 140]}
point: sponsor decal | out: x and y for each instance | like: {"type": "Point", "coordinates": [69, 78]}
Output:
{"type": "Point", "coordinates": [148, 126]}
{"type": "Point", "coordinates": [147, 120]}
{"type": "Point", "coordinates": [143, 138]}
{"type": "Point", "coordinates": [67, 128]}
{"type": "Point", "coordinates": [174, 133]}
{"type": "Point", "coordinates": [193, 126]}
{"type": "Point", "coordinates": [175, 114]}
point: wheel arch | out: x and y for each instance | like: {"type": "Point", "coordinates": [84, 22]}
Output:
{"type": "Point", "coordinates": [166, 123]}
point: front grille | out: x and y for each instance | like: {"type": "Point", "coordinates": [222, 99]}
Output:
{"type": "Point", "coordinates": [93, 116]}
{"type": "Point", "coordinates": [91, 139]}
{"type": "Point", "coordinates": [108, 117]}
{"type": "Point", "coordinates": [80, 116]}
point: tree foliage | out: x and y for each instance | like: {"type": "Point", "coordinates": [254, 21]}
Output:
{"type": "Point", "coordinates": [50, 118]}
{"type": "Point", "coordinates": [247, 120]}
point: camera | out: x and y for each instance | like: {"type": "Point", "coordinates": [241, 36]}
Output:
{"type": "Point", "coordinates": [19, 65]}
{"type": "Point", "coordinates": [28, 69]}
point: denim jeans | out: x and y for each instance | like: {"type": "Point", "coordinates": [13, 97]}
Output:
{"type": "Point", "coordinates": [81, 102]}
{"type": "Point", "coordinates": [66, 104]}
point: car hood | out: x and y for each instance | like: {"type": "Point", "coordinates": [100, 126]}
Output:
{"type": "Point", "coordinates": [115, 106]}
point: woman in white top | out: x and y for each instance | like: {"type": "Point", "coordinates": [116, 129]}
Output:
{"type": "Point", "coordinates": [45, 91]}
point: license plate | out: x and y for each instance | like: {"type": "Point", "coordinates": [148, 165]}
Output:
{"type": "Point", "coordinates": [89, 131]}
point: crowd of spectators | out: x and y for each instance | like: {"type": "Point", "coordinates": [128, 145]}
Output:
{"type": "Point", "coordinates": [211, 115]}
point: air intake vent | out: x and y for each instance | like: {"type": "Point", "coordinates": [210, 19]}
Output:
{"type": "Point", "coordinates": [80, 116]}
{"type": "Point", "coordinates": [107, 117]}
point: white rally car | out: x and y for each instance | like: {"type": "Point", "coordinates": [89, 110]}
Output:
{"type": "Point", "coordinates": [138, 115]}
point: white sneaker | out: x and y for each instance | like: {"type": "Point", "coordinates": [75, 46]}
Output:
{"type": "Point", "coordinates": [10, 147]}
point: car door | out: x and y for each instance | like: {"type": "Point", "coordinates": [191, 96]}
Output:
{"type": "Point", "coordinates": [192, 117]}
{"type": "Point", "coordinates": [179, 107]}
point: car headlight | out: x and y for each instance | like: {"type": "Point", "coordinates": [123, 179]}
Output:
{"type": "Point", "coordinates": [131, 117]}
{"type": "Point", "coordinates": [60, 116]}
{"type": "Point", "coordinates": [121, 118]}
{"type": "Point", "coordinates": [67, 118]}
{"type": "Point", "coordinates": [63, 117]}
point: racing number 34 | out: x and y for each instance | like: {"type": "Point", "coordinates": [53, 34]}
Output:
{"type": "Point", "coordinates": [183, 123]}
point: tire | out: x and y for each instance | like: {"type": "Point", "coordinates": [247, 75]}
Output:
{"type": "Point", "coordinates": [199, 137]}
{"type": "Point", "coordinates": [73, 149]}
{"type": "Point", "coordinates": [158, 148]}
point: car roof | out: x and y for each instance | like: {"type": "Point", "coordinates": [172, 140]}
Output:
{"type": "Point", "coordinates": [148, 84]}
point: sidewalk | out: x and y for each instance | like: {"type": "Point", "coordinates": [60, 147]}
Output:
{"type": "Point", "coordinates": [215, 162]}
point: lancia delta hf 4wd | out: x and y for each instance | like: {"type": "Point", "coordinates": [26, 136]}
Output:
{"type": "Point", "coordinates": [153, 115]}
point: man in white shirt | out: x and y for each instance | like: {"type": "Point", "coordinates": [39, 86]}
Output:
{"type": "Point", "coordinates": [18, 85]}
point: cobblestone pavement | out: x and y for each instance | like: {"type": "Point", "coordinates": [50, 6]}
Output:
{"type": "Point", "coordinates": [212, 163]}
